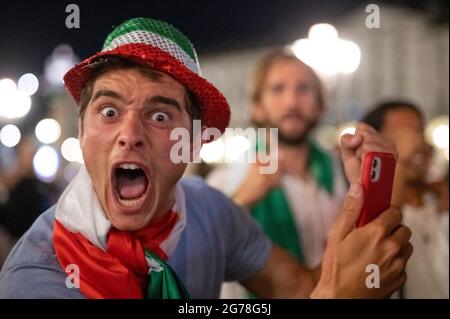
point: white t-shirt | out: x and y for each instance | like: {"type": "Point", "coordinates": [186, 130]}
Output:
{"type": "Point", "coordinates": [428, 267]}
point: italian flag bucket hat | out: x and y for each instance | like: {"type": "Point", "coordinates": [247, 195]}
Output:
{"type": "Point", "coordinates": [160, 46]}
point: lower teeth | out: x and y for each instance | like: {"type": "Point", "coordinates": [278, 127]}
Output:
{"type": "Point", "coordinates": [130, 202]}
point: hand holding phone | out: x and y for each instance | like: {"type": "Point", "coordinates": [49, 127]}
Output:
{"type": "Point", "coordinates": [377, 178]}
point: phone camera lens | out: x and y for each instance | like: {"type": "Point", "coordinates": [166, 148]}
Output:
{"type": "Point", "coordinates": [374, 163]}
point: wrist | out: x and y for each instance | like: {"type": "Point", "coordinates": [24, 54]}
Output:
{"type": "Point", "coordinates": [316, 272]}
{"type": "Point", "coordinates": [323, 293]}
{"type": "Point", "coordinates": [245, 198]}
{"type": "Point", "coordinates": [240, 200]}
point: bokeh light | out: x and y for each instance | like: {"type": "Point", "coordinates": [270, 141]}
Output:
{"type": "Point", "coordinates": [235, 147]}
{"type": "Point", "coordinates": [28, 84]}
{"type": "Point", "coordinates": [48, 131]}
{"type": "Point", "coordinates": [13, 103]}
{"type": "Point", "coordinates": [46, 163]}
{"type": "Point", "coordinates": [326, 53]}
{"type": "Point", "coordinates": [71, 151]}
{"type": "Point", "coordinates": [213, 152]}
{"type": "Point", "coordinates": [10, 135]}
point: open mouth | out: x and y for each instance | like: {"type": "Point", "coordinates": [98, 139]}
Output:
{"type": "Point", "coordinates": [131, 184]}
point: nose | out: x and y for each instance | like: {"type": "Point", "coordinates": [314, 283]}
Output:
{"type": "Point", "coordinates": [290, 99]}
{"type": "Point", "coordinates": [131, 133]}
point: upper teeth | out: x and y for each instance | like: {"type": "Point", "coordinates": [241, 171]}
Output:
{"type": "Point", "coordinates": [129, 166]}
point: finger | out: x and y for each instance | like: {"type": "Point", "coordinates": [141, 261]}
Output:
{"type": "Point", "coordinates": [396, 283]}
{"type": "Point", "coordinates": [350, 212]}
{"type": "Point", "coordinates": [399, 238]}
{"type": "Point", "coordinates": [369, 132]}
{"type": "Point", "coordinates": [371, 146]}
{"type": "Point", "coordinates": [407, 251]}
{"type": "Point", "coordinates": [370, 135]}
{"type": "Point", "coordinates": [349, 143]}
{"type": "Point", "coordinates": [352, 163]}
{"type": "Point", "coordinates": [401, 235]}
{"type": "Point", "coordinates": [387, 221]}
{"type": "Point", "coordinates": [364, 127]}
{"type": "Point", "coordinates": [376, 138]}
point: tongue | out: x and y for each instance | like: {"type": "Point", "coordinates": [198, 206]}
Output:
{"type": "Point", "coordinates": [130, 188]}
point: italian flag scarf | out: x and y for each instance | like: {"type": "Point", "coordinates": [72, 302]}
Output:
{"type": "Point", "coordinates": [114, 263]}
{"type": "Point", "coordinates": [274, 213]}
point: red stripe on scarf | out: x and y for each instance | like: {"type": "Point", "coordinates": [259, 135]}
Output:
{"type": "Point", "coordinates": [121, 271]}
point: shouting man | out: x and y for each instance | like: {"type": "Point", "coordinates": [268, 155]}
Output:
{"type": "Point", "coordinates": [128, 227]}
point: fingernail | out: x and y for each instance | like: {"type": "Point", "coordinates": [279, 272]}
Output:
{"type": "Point", "coordinates": [355, 190]}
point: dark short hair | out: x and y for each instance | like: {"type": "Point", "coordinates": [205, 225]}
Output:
{"type": "Point", "coordinates": [106, 64]}
{"type": "Point", "coordinates": [377, 115]}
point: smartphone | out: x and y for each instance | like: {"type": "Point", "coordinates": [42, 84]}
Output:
{"type": "Point", "coordinates": [377, 179]}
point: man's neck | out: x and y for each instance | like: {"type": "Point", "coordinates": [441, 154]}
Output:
{"type": "Point", "coordinates": [166, 205]}
{"type": "Point", "coordinates": [295, 159]}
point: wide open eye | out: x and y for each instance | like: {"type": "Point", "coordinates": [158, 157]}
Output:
{"type": "Point", "coordinates": [160, 117]}
{"type": "Point", "coordinates": [109, 111]}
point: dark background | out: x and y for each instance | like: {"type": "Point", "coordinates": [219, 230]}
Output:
{"type": "Point", "coordinates": [29, 30]}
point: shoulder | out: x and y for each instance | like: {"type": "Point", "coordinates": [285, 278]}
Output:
{"type": "Point", "coordinates": [35, 246]}
{"type": "Point", "coordinates": [31, 269]}
{"type": "Point", "coordinates": [210, 207]}
{"type": "Point", "coordinates": [196, 190]}
{"type": "Point", "coordinates": [220, 228]}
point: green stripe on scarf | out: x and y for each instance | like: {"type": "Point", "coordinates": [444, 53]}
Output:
{"type": "Point", "coordinates": [164, 283]}
{"type": "Point", "coordinates": [274, 215]}
{"type": "Point", "coordinates": [320, 165]}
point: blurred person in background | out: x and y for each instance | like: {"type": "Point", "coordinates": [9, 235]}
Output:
{"type": "Point", "coordinates": [298, 204]}
{"type": "Point", "coordinates": [23, 197]}
{"type": "Point", "coordinates": [424, 207]}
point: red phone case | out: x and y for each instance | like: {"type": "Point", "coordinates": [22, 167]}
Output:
{"type": "Point", "coordinates": [377, 178]}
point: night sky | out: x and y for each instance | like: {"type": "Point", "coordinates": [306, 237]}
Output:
{"type": "Point", "coordinates": [29, 30]}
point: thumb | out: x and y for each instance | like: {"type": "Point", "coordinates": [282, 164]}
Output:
{"type": "Point", "coordinates": [350, 211]}
{"type": "Point", "coordinates": [352, 163]}
{"type": "Point", "coordinates": [348, 144]}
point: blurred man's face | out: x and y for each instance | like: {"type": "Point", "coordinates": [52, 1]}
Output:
{"type": "Point", "coordinates": [289, 101]}
{"type": "Point", "coordinates": [405, 127]}
{"type": "Point", "coordinates": [126, 145]}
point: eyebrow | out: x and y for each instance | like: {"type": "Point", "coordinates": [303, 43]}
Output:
{"type": "Point", "coordinates": [109, 93]}
{"type": "Point", "coordinates": [164, 100]}
{"type": "Point", "coordinates": [153, 100]}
